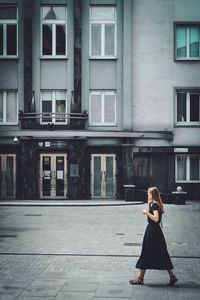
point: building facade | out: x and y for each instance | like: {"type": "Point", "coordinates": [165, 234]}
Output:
{"type": "Point", "coordinates": [98, 94]}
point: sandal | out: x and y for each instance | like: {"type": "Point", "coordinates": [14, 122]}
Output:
{"type": "Point", "coordinates": [173, 280]}
{"type": "Point", "coordinates": [138, 281]}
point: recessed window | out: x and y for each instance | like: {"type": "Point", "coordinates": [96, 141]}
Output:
{"type": "Point", "coordinates": [8, 108]}
{"type": "Point", "coordinates": [54, 31]}
{"type": "Point", "coordinates": [188, 107]}
{"type": "Point", "coordinates": [103, 108]}
{"type": "Point", "coordinates": [187, 41]}
{"type": "Point", "coordinates": [54, 107]}
{"type": "Point", "coordinates": [187, 168]}
{"type": "Point", "coordinates": [8, 31]}
{"type": "Point", "coordinates": [102, 32]}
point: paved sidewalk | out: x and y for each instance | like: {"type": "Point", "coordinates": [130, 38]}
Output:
{"type": "Point", "coordinates": [89, 253]}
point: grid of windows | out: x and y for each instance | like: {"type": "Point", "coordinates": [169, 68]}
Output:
{"type": "Point", "coordinates": [8, 107]}
{"type": "Point", "coordinates": [54, 31]}
{"type": "Point", "coordinates": [102, 31]}
{"type": "Point", "coordinates": [8, 31]}
{"type": "Point", "coordinates": [187, 168]}
{"type": "Point", "coordinates": [102, 108]}
{"type": "Point", "coordinates": [187, 42]}
{"type": "Point", "coordinates": [188, 107]}
{"type": "Point", "coordinates": [54, 107]}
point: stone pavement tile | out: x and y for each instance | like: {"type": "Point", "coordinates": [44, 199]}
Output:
{"type": "Point", "coordinates": [80, 286]}
{"type": "Point", "coordinates": [113, 288]}
{"type": "Point", "coordinates": [116, 298]}
{"type": "Point", "coordinates": [74, 296]}
{"type": "Point", "coordinates": [34, 298]}
{"type": "Point", "coordinates": [6, 297]}
{"type": "Point", "coordinates": [10, 290]}
{"type": "Point", "coordinates": [48, 282]}
{"type": "Point", "coordinates": [41, 291]}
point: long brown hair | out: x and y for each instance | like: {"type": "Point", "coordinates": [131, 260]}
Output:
{"type": "Point", "coordinates": [156, 197]}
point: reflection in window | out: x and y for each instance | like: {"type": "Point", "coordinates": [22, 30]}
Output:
{"type": "Point", "coordinates": [8, 107]}
{"type": "Point", "coordinates": [188, 107]}
{"type": "Point", "coordinates": [187, 168]}
{"type": "Point", "coordinates": [103, 31]}
{"type": "Point", "coordinates": [8, 31]}
{"type": "Point", "coordinates": [54, 107]}
{"type": "Point", "coordinates": [54, 29]}
{"type": "Point", "coordinates": [187, 41]}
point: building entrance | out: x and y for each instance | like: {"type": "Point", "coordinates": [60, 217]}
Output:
{"type": "Point", "coordinates": [7, 176]}
{"type": "Point", "coordinates": [103, 175]}
{"type": "Point", "coordinates": [53, 176]}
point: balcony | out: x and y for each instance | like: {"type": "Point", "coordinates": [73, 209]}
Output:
{"type": "Point", "coordinates": [53, 121]}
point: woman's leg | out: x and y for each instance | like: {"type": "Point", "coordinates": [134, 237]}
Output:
{"type": "Point", "coordinates": [140, 278]}
{"type": "Point", "coordinates": [173, 278]}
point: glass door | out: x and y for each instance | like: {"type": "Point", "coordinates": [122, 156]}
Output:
{"type": "Point", "coordinates": [103, 175]}
{"type": "Point", "coordinates": [53, 176]}
{"type": "Point", "coordinates": [7, 176]}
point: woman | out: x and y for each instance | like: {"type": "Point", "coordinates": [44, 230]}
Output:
{"type": "Point", "coordinates": [154, 253]}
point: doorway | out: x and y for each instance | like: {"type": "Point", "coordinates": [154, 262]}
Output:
{"type": "Point", "coordinates": [7, 176]}
{"type": "Point", "coordinates": [53, 176]}
{"type": "Point", "coordinates": [103, 176]}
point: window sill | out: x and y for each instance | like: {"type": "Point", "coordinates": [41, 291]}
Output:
{"type": "Point", "coordinates": [188, 181]}
{"type": "Point", "coordinates": [102, 125]}
{"type": "Point", "coordinates": [197, 124]}
{"type": "Point", "coordinates": [103, 58]}
{"type": "Point", "coordinates": [187, 59]}
{"type": "Point", "coordinates": [48, 57]}
{"type": "Point", "coordinates": [12, 57]}
{"type": "Point", "coordinates": [8, 124]}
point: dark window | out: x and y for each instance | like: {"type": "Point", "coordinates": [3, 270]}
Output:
{"type": "Point", "coordinates": [1, 39]}
{"type": "Point", "coordinates": [60, 40]}
{"type": "Point", "coordinates": [11, 40]}
{"type": "Point", "coordinates": [8, 13]}
{"type": "Point", "coordinates": [194, 108]}
{"type": "Point", "coordinates": [47, 40]}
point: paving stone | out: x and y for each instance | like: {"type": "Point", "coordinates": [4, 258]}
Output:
{"type": "Point", "coordinates": [80, 286]}
{"type": "Point", "coordinates": [74, 296]}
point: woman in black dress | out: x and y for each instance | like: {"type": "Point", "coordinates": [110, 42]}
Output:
{"type": "Point", "coordinates": [154, 253]}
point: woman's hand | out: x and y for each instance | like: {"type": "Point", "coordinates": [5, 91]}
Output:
{"type": "Point", "coordinates": [144, 211]}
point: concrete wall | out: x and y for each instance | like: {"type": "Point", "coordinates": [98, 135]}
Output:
{"type": "Point", "coordinates": [155, 73]}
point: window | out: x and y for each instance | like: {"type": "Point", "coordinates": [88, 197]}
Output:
{"type": "Point", "coordinates": [187, 41]}
{"type": "Point", "coordinates": [8, 108]}
{"type": "Point", "coordinates": [54, 107]}
{"type": "Point", "coordinates": [8, 31]}
{"type": "Point", "coordinates": [54, 31]}
{"type": "Point", "coordinates": [103, 108]}
{"type": "Point", "coordinates": [187, 168]}
{"type": "Point", "coordinates": [188, 107]}
{"type": "Point", "coordinates": [102, 31]}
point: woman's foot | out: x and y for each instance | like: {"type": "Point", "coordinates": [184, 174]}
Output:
{"type": "Point", "coordinates": [173, 280]}
{"type": "Point", "coordinates": [138, 281]}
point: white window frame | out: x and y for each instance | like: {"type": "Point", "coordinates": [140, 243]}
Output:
{"type": "Point", "coordinates": [5, 108]}
{"type": "Point", "coordinates": [53, 100]}
{"type": "Point", "coordinates": [187, 122]}
{"type": "Point", "coordinates": [188, 156]}
{"type": "Point", "coordinates": [187, 27]}
{"type": "Point", "coordinates": [102, 23]}
{"type": "Point", "coordinates": [102, 94]}
{"type": "Point", "coordinates": [53, 23]}
{"type": "Point", "coordinates": [6, 22]}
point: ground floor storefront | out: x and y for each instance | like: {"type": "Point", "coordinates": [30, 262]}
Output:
{"type": "Point", "coordinates": [78, 168]}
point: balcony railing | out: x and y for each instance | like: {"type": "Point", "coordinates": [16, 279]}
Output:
{"type": "Point", "coordinates": [46, 120]}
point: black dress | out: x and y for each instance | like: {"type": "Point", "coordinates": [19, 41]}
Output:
{"type": "Point", "coordinates": [154, 253]}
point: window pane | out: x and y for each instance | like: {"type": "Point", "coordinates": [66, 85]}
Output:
{"type": "Point", "coordinates": [11, 109]}
{"type": "Point", "coordinates": [47, 40]}
{"type": "Point", "coordinates": [194, 108]}
{"type": "Point", "coordinates": [181, 168]}
{"type": "Point", "coordinates": [109, 39]}
{"type": "Point", "coordinates": [194, 168]}
{"type": "Point", "coordinates": [109, 108]}
{"type": "Point", "coordinates": [181, 107]}
{"type": "Point", "coordinates": [60, 111]}
{"type": "Point", "coordinates": [1, 107]}
{"type": "Point", "coordinates": [60, 40]}
{"type": "Point", "coordinates": [8, 13]}
{"type": "Point", "coordinates": [95, 108]}
{"type": "Point", "coordinates": [9, 176]}
{"type": "Point", "coordinates": [11, 40]}
{"type": "Point", "coordinates": [103, 13]}
{"type": "Point", "coordinates": [96, 39]}
{"type": "Point", "coordinates": [46, 96]}
{"type": "Point", "coordinates": [47, 108]}
{"type": "Point", "coordinates": [97, 176]}
{"type": "Point", "coordinates": [54, 13]}
{"type": "Point", "coordinates": [194, 42]}
{"type": "Point", "coordinates": [1, 39]}
{"type": "Point", "coordinates": [181, 41]}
